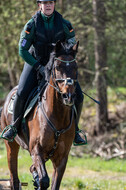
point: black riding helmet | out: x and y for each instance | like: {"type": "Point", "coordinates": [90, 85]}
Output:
{"type": "Point", "coordinates": [38, 1]}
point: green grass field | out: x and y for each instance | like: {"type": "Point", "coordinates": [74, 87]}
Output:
{"type": "Point", "coordinates": [81, 173]}
{"type": "Point", "coordinates": [86, 173]}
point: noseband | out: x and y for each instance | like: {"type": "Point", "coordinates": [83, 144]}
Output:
{"type": "Point", "coordinates": [67, 81]}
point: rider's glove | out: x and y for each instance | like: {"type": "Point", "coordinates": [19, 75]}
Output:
{"type": "Point", "coordinates": [39, 68]}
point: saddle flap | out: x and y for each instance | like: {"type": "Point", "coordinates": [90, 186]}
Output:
{"type": "Point", "coordinates": [29, 107]}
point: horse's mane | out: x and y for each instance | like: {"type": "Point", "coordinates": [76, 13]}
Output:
{"type": "Point", "coordinates": [49, 65]}
{"type": "Point", "coordinates": [60, 49]}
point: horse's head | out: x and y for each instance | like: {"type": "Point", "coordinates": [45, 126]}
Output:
{"type": "Point", "coordinates": [64, 71]}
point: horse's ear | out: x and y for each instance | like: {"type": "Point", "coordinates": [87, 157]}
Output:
{"type": "Point", "coordinates": [75, 47]}
{"type": "Point", "coordinates": [58, 46]}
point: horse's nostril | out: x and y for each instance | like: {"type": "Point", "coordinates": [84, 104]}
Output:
{"type": "Point", "coordinates": [64, 96]}
{"type": "Point", "coordinates": [69, 96]}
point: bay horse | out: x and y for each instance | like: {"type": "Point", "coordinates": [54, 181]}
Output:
{"type": "Point", "coordinates": [50, 125]}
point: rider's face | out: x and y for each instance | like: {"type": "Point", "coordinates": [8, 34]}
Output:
{"type": "Point", "coordinates": [47, 7]}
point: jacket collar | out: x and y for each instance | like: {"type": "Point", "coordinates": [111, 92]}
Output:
{"type": "Point", "coordinates": [48, 18]}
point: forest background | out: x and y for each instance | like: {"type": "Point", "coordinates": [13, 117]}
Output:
{"type": "Point", "coordinates": [100, 27]}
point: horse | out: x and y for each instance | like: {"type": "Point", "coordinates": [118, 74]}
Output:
{"type": "Point", "coordinates": [50, 124]}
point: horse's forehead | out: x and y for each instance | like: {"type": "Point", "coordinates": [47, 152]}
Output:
{"type": "Point", "coordinates": [66, 57]}
{"type": "Point", "coordinates": [66, 61]}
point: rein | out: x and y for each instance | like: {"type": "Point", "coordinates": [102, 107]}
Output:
{"type": "Point", "coordinates": [57, 133]}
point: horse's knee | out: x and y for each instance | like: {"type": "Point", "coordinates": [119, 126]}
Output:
{"type": "Point", "coordinates": [44, 182]}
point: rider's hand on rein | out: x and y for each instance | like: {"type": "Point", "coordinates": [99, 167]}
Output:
{"type": "Point", "coordinates": [40, 69]}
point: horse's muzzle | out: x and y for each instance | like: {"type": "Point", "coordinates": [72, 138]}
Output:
{"type": "Point", "coordinates": [68, 98]}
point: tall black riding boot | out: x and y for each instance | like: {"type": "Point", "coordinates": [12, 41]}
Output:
{"type": "Point", "coordinates": [78, 140]}
{"type": "Point", "coordinates": [18, 110]}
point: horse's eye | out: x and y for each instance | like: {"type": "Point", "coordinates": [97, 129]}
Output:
{"type": "Point", "coordinates": [75, 67]}
{"type": "Point", "coordinates": [60, 67]}
{"type": "Point", "coordinates": [75, 82]}
{"type": "Point", "coordinates": [57, 67]}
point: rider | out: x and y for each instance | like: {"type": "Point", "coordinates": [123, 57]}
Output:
{"type": "Point", "coordinates": [47, 26]}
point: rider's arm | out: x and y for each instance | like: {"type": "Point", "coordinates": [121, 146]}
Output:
{"type": "Point", "coordinates": [69, 32]}
{"type": "Point", "coordinates": [26, 40]}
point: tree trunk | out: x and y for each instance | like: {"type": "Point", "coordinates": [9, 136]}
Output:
{"type": "Point", "coordinates": [12, 76]}
{"type": "Point", "coordinates": [99, 17]}
{"type": "Point", "coordinates": [61, 5]}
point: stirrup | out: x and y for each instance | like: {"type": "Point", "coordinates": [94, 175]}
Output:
{"type": "Point", "coordinates": [6, 128]}
{"type": "Point", "coordinates": [85, 139]}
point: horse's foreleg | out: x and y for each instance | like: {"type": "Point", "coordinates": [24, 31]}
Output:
{"type": "Point", "coordinates": [12, 157]}
{"type": "Point", "coordinates": [58, 172]}
{"type": "Point", "coordinates": [39, 166]}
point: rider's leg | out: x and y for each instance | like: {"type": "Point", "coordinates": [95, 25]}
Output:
{"type": "Point", "coordinates": [28, 81]}
{"type": "Point", "coordinates": [78, 105]}
{"type": "Point", "coordinates": [18, 110]}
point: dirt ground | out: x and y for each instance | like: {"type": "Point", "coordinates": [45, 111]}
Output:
{"type": "Point", "coordinates": [4, 185]}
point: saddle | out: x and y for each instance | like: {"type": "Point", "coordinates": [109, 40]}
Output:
{"type": "Point", "coordinates": [30, 103]}
{"type": "Point", "coordinates": [32, 99]}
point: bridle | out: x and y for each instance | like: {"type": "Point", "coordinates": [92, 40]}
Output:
{"type": "Point", "coordinates": [67, 81]}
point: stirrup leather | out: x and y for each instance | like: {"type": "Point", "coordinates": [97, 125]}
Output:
{"type": "Point", "coordinates": [85, 139]}
{"type": "Point", "coordinates": [6, 128]}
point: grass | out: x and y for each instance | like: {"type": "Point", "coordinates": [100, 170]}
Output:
{"type": "Point", "coordinates": [81, 173]}
{"type": "Point", "coordinates": [85, 173]}
{"type": "Point", "coordinates": [98, 164]}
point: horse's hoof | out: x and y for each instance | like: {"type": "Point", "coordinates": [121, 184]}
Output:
{"type": "Point", "coordinates": [44, 182]}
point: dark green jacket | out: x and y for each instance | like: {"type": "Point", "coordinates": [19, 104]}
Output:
{"type": "Point", "coordinates": [28, 36]}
